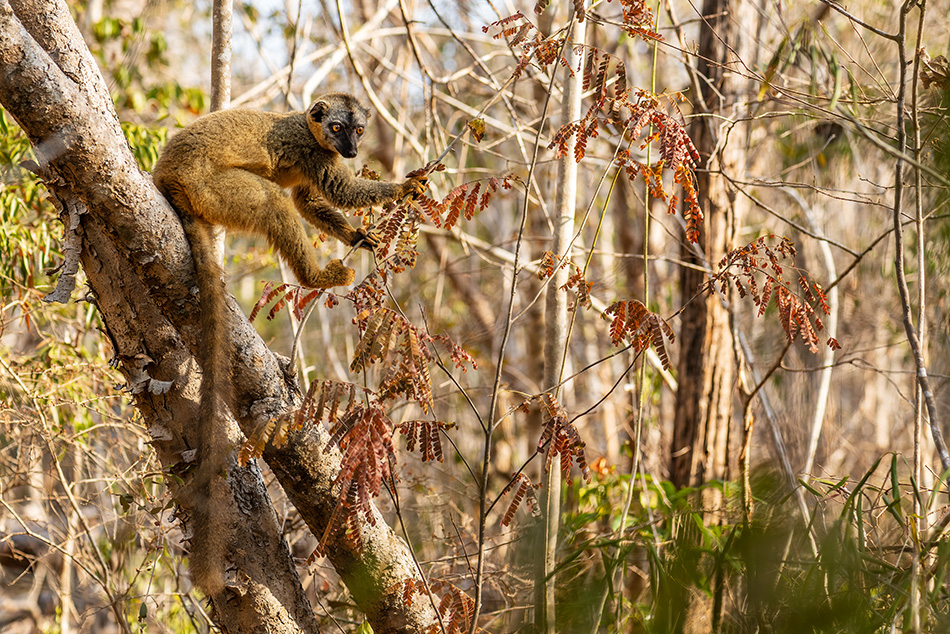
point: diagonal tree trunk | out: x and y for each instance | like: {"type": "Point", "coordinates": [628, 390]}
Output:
{"type": "Point", "coordinates": [139, 268]}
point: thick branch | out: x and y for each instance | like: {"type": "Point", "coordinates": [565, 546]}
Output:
{"type": "Point", "coordinates": [153, 357]}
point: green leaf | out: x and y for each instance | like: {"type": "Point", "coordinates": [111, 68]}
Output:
{"type": "Point", "coordinates": [894, 505]}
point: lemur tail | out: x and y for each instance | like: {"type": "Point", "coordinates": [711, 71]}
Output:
{"type": "Point", "coordinates": [209, 542]}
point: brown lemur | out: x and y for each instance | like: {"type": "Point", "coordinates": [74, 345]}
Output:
{"type": "Point", "coordinates": [231, 168]}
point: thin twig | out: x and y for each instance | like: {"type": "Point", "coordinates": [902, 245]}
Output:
{"type": "Point", "coordinates": [904, 292]}
{"type": "Point", "coordinates": [837, 7]}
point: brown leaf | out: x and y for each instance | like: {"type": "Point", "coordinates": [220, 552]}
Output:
{"type": "Point", "coordinates": [477, 126]}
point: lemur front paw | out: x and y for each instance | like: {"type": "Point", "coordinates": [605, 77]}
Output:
{"type": "Point", "coordinates": [364, 239]}
{"type": "Point", "coordinates": [415, 185]}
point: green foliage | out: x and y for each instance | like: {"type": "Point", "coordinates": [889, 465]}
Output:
{"type": "Point", "coordinates": [146, 142]}
{"type": "Point", "coordinates": [135, 62]}
{"type": "Point", "coordinates": [848, 570]}
{"type": "Point", "coordinates": [29, 230]}
{"type": "Point", "coordinates": [26, 237]}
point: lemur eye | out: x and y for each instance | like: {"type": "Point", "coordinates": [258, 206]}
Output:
{"type": "Point", "coordinates": [335, 127]}
{"type": "Point", "coordinates": [359, 130]}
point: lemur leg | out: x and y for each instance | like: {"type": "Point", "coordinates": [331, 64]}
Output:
{"type": "Point", "coordinates": [264, 209]}
{"type": "Point", "coordinates": [322, 215]}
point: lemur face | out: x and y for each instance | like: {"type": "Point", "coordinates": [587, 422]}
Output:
{"type": "Point", "coordinates": [338, 123]}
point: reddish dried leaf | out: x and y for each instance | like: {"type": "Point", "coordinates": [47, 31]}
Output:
{"type": "Point", "coordinates": [268, 294]}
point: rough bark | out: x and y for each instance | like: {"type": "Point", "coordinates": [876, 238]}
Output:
{"type": "Point", "coordinates": [707, 365]}
{"type": "Point", "coordinates": [139, 267]}
{"type": "Point", "coordinates": [707, 369]}
{"type": "Point", "coordinates": [266, 595]}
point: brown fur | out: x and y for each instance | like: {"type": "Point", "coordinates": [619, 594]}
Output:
{"type": "Point", "coordinates": [231, 168]}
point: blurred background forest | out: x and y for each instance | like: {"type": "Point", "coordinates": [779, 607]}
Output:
{"type": "Point", "coordinates": [738, 481]}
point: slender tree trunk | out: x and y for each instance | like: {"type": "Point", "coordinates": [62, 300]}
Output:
{"type": "Point", "coordinates": [556, 320]}
{"type": "Point", "coordinates": [220, 80]}
{"type": "Point", "coordinates": [221, 54]}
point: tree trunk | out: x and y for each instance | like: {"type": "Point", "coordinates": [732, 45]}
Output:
{"type": "Point", "coordinates": [140, 271]}
{"type": "Point", "coordinates": [707, 368]}
{"type": "Point", "coordinates": [556, 319]}
{"type": "Point", "coordinates": [707, 365]}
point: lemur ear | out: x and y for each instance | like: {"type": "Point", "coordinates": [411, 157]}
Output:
{"type": "Point", "coordinates": [317, 110]}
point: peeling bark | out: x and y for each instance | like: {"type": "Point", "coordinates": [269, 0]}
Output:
{"type": "Point", "coordinates": [139, 267]}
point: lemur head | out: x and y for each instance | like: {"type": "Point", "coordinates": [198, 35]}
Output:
{"type": "Point", "coordinates": [337, 121]}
